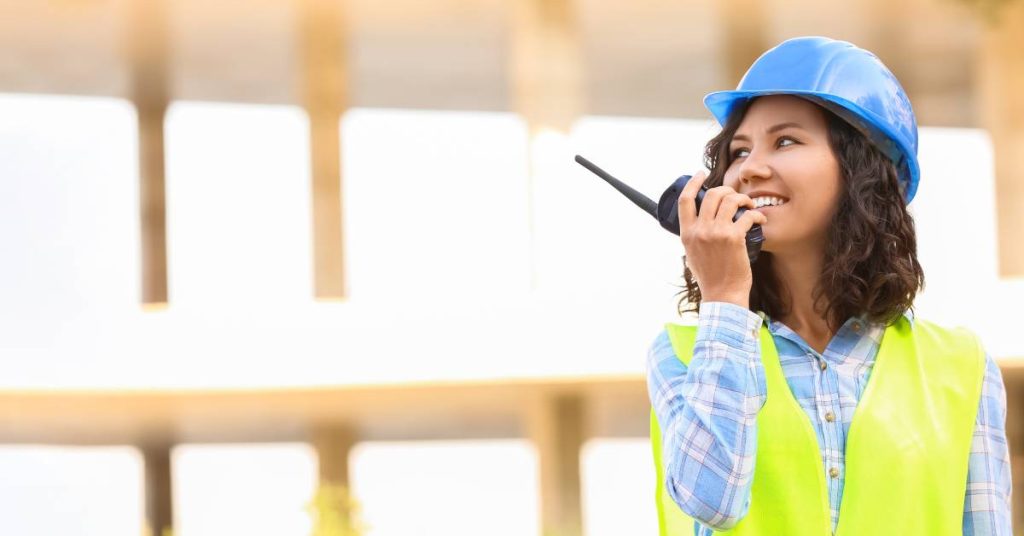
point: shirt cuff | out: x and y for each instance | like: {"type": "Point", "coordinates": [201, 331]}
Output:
{"type": "Point", "coordinates": [729, 323]}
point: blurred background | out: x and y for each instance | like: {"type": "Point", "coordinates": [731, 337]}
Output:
{"type": "Point", "coordinates": [315, 267]}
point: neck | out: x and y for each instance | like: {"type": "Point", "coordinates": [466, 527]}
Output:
{"type": "Point", "coordinates": [799, 272]}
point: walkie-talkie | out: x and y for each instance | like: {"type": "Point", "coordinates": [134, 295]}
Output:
{"type": "Point", "coordinates": [666, 210]}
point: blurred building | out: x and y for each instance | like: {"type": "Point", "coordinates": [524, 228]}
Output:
{"type": "Point", "coordinates": [426, 147]}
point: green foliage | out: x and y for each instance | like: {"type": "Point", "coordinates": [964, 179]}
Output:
{"type": "Point", "coordinates": [333, 509]}
{"type": "Point", "coordinates": [335, 512]}
{"type": "Point", "coordinates": [146, 531]}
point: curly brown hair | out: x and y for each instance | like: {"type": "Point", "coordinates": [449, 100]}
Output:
{"type": "Point", "coordinates": [871, 264]}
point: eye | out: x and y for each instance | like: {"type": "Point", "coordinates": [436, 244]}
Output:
{"type": "Point", "coordinates": [739, 152]}
{"type": "Point", "coordinates": [782, 141]}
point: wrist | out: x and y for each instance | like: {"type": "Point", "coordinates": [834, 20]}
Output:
{"type": "Point", "coordinates": [735, 299]}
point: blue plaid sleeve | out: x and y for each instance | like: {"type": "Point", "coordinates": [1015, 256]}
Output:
{"type": "Point", "coordinates": [987, 499]}
{"type": "Point", "coordinates": [708, 413]}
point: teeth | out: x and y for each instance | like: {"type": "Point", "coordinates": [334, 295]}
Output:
{"type": "Point", "coordinates": [768, 200]}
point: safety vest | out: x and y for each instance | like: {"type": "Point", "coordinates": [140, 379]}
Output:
{"type": "Point", "coordinates": [906, 452]}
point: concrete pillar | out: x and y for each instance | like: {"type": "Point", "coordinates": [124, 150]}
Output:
{"type": "Point", "coordinates": [325, 94]}
{"type": "Point", "coordinates": [546, 73]}
{"type": "Point", "coordinates": [547, 70]}
{"type": "Point", "coordinates": [146, 49]}
{"type": "Point", "coordinates": [557, 427]}
{"type": "Point", "coordinates": [744, 37]}
{"type": "Point", "coordinates": [158, 499]}
{"type": "Point", "coordinates": [1000, 86]}
{"type": "Point", "coordinates": [335, 511]}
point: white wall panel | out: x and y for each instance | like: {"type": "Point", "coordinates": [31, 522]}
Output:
{"type": "Point", "coordinates": [618, 483]}
{"type": "Point", "coordinates": [243, 489]}
{"type": "Point", "coordinates": [80, 491]}
{"type": "Point", "coordinates": [239, 221]}
{"type": "Point", "coordinates": [68, 218]}
{"type": "Point", "coordinates": [436, 207]}
{"type": "Point", "coordinates": [447, 488]}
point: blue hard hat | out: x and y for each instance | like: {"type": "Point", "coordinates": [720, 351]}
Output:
{"type": "Point", "coordinates": [848, 81]}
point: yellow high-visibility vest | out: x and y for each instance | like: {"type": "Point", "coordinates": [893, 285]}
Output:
{"type": "Point", "coordinates": [906, 453]}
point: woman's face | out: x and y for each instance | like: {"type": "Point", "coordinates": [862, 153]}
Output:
{"type": "Point", "coordinates": [781, 149]}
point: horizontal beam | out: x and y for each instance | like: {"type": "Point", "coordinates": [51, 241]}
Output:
{"type": "Point", "coordinates": [400, 412]}
{"type": "Point", "coordinates": [614, 406]}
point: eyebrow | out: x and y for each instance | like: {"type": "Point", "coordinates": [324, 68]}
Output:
{"type": "Point", "coordinates": [772, 130]}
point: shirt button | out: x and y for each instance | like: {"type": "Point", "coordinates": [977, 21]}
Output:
{"type": "Point", "coordinates": [833, 472]}
{"type": "Point", "coordinates": [830, 416]}
{"type": "Point", "coordinates": [823, 365]}
{"type": "Point", "coordinates": [856, 327]}
{"type": "Point", "coordinates": [753, 333]}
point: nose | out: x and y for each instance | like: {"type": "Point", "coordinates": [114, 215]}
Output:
{"type": "Point", "coordinates": [754, 167]}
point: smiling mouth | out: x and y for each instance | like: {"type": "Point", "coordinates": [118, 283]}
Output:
{"type": "Point", "coordinates": [769, 201]}
{"type": "Point", "coordinates": [765, 203]}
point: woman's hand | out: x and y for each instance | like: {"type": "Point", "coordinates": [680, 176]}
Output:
{"type": "Point", "coordinates": [716, 251]}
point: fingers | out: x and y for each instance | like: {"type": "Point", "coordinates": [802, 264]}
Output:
{"type": "Point", "coordinates": [718, 208]}
{"type": "Point", "coordinates": [730, 204]}
{"type": "Point", "coordinates": [711, 205]}
{"type": "Point", "coordinates": [749, 219]}
{"type": "Point", "coordinates": [687, 200]}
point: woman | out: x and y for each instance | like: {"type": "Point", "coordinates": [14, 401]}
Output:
{"type": "Point", "coordinates": [808, 400]}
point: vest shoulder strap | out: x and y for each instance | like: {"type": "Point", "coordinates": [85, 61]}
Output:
{"type": "Point", "coordinates": [683, 339]}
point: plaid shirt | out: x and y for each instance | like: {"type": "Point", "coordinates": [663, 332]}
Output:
{"type": "Point", "coordinates": [708, 415]}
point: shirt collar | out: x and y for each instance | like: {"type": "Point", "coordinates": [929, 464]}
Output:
{"type": "Point", "coordinates": [908, 314]}
{"type": "Point", "coordinates": [874, 331]}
